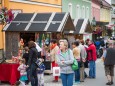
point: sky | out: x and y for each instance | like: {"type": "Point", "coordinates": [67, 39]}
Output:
{"type": "Point", "coordinates": [109, 1]}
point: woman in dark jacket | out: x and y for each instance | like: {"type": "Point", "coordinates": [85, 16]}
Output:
{"type": "Point", "coordinates": [33, 55]}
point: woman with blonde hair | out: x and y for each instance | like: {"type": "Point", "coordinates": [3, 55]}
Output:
{"type": "Point", "coordinates": [65, 60]}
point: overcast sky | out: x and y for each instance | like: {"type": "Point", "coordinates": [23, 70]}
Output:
{"type": "Point", "coordinates": [109, 1]}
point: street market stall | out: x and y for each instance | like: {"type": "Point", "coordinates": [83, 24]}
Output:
{"type": "Point", "coordinates": [83, 30]}
{"type": "Point", "coordinates": [41, 26]}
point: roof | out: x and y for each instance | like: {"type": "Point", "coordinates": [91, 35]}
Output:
{"type": "Point", "coordinates": [35, 22]}
{"type": "Point", "coordinates": [82, 26]}
{"type": "Point", "coordinates": [105, 4]}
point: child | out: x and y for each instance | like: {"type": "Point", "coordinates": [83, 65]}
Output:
{"type": "Point", "coordinates": [40, 71]}
{"type": "Point", "coordinates": [23, 73]}
{"type": "Point", "coordinates": [26, 57]}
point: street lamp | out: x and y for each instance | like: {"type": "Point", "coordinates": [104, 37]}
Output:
{"type": "Point", "coordinates": [93, 23]}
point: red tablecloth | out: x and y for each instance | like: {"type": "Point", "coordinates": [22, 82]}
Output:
{"type": "Point", "coordinates": [9, 72]}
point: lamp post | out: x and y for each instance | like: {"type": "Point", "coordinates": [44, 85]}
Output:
{"type": "Point", "coordinates": [93, 24]}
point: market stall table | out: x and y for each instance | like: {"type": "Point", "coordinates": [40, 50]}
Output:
{"type": "Point", "coordinates": [9, 72]}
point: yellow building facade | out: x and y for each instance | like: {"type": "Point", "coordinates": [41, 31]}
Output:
{"type": "Point", "coordinates": [105, 15]}
{"type": "Point", "coordinates": [29, 6]}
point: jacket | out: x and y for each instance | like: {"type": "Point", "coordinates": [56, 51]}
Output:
{"type": "Point", "coordinates": [65, 67]}
{"type": "Point", "coordinates": [83, 52]}
{"type": "Point", "coordinates": [22, 69]}
{"type": "Point", "coordinates": [33, 55]}
{"type": "Point", "coordinates": [92, 55]}
{"type": "Point", "coordinates": [41, 69]}
{"type": "Point", "coordinates": [76, 53]}
{"type": "Point", "coordinates": [53, 53]}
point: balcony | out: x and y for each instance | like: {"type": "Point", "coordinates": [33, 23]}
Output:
{"type": "Point", "coordinates": [113, 16]}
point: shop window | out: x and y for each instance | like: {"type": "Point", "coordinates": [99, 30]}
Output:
{"type": "Point", "coordinates": [83, 12]}
{"type": "Point", "coordinates": [87, 12]}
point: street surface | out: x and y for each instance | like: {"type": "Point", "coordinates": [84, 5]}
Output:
{"type": "Point", "coordinates": [99, 81]}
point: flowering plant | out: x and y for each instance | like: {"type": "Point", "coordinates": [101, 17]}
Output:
{"type": "Point", "coordinates": [6, 16]}
{"type": "Point", "coordinates": [98, 31]}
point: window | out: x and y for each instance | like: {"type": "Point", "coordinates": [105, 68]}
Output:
{"type": "Point", "coordinates": [78, 11]}
{"type": "Point", "coordinates": [70, 9]}
{"type": "Point", "coordinates": [83, 12]}
{"type": "Point", "coordinates": [87, 12]}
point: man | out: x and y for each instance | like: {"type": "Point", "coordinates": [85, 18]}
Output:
{"type": "Point", "coordinates": [109, 62]}
{"type": "Point", "coordinates": [83, 55]}
{"type": "Point", "coordinates": [92, 56]}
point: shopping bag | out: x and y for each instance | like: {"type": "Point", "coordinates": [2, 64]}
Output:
{"type": "Point", "coordinates": [56, 71]}
{"type": "Point", "coordinates": [75, 65]}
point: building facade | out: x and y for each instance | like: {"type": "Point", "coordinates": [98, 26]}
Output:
{"type": "Point", "coordinates": [77, 8]}
{"type": "Point", "coordinates": [105, 11]}
{"type": "Point", "coordinates": [96, 9]}
{"type": "Point", "coordinates": [29, 6]}
{"type": "Point", "coordinates": [105, 17]}
{"type": "Point", "coordinates": [113, 15]}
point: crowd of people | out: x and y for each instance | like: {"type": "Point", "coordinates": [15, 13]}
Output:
{"type": "Point", "coordinates": [84, 52]}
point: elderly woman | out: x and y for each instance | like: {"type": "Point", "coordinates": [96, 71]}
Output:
{"type": "Point", "coordinates": [65, 59]}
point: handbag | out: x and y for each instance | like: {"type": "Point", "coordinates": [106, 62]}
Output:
{"type": "Point", "coordinates": [86, 64]}
{"type": "Point", "coordinates": [38, 63]}
{"type": "Point", "coordinates": [56, 71]}
{"type": "Point", "coordinates": [75, 65]}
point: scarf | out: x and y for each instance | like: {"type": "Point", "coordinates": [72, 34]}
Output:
{"type": "Point", "coordinates": [53, 46]}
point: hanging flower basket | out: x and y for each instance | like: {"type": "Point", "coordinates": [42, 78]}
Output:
{"type": "Point", "coordinates": [98, 31]}
{"type": "Point", "coordinates": [6, 16]}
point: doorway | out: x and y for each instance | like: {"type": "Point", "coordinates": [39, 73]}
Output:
{"type": "Point", "coordinates": [27, 37]}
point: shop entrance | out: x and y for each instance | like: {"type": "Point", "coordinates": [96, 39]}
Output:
{"type": "Point", "coordinates": [27, 37]}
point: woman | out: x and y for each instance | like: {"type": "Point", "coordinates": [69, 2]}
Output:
{"type": "Point", "coordinates": [65, 59]}
{"type": "Point", "coordinates": [33, 55]}
{"type": "Point", "coordinates": [76, 53]}
{"type": "Point", "coordinates": [54, 49]}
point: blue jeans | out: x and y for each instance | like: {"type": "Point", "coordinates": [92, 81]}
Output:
{"type": "Point", "coordinates": [92, 69]}
{"type": "Point", "coordinates": [33, 75]}
{"type": "Point", "coordinates": [77, 73]}
{"type": "Point", "coordinates": [67, 79]}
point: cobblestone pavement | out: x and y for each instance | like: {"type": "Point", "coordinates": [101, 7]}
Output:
{"type": "Point", "coordinates": [99, 81]}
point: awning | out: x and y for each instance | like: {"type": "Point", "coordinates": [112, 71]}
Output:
{"type": "Point", "coordinates": [110, 25]}
{"type": "Point", "coordinates": [82, 26]}
{"type": "Point", "coordinates": [50, 22]}
{"type": "Point", "coordinates": [99, 23]}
